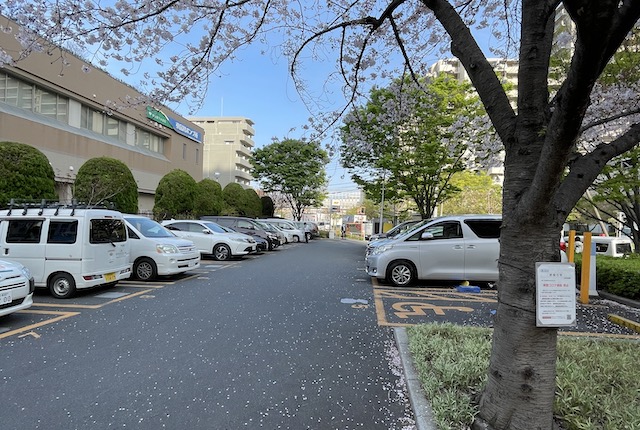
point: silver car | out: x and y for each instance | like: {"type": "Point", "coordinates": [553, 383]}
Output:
{"type": "Point", "coordinates": [454, 248]}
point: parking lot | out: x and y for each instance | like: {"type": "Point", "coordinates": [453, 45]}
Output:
{"type": "Point", "coordinates": [47, 310]}
{"type": "Point", "coordinates": [394, 307]}
{"type": "Point", "coordinates": [401, 307]}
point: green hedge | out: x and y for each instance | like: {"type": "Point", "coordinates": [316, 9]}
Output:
{"type": "Point", "coordinates": [619, 276]}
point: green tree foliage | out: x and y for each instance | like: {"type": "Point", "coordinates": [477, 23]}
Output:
{"type": "Point", "coordinates": [208, 199]}
{"type": "Point", "coordinates": [254, 204]}
{"type": "Point", "coordinates": [25, 173]}
{"type": "Point", "coordinates": [104, 180]}
{"type": "Point", "coordinates": [402, 140]}
{"type": "Point", "coordinates": [479, 195]}
{"type": "Point", "coordinates": [268, 207]}
{"type": "Point", "coordinates": [295, 169]}
{"type": "Point", "coordinates": [235, 200]}
{"type": "Point", "coordinates": [175, 195]}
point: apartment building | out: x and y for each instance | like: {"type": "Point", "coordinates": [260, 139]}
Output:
{"type": "Point", "coordinates": [72, 112]}
{"type": "Point", "coordinates": [506, 69]}
{"type": "Point", "coordinates": [228, 147]}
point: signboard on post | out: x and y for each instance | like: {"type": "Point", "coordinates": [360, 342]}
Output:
{"type": "Point", "coordinates": [555, 294]}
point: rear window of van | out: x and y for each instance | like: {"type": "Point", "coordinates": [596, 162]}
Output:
{"type": "Point", "coordinates": [485, 229]}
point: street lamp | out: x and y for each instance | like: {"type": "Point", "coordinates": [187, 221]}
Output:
{"type": "Point", "coordinates": [382, 204]}
{"type": "Point", "coordinates": [216, 175]}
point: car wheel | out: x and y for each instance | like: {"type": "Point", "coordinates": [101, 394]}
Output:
{"type": "Point", "coordinates": [62, 286]}
{"type": "Point", "coordinates": [401, 274]}
{"type": "Point", "coordinates": [145, 269]}
{"type": "Point", "coordinates": [221, 252]}
{"type": "Point", "coordinates": [296, 239]}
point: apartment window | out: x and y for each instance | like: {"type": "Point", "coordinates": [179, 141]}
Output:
{"type": "Point", "coordinates": [184, 151]}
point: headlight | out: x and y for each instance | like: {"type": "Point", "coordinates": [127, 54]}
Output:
{"type": "Point", "coordinates": [250, 240]}
{"type": "Point", "coordinates": [26, 272]}
{"type": "Point", "coordinates": [165, 248]}
{"type": "Point", "coordinates": [382, 248]}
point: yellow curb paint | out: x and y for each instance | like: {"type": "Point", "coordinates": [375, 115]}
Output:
{"type": "Point", "coordinates": [624, 322]}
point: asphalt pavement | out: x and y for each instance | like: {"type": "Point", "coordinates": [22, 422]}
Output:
{"type": "Point", "coordinates": [298, 338]}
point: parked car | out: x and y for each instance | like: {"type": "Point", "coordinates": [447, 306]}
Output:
{"type": "Point", "coordinates": [310, 228]}
{"type": "Point", "coordinates": [272, 228]}
{"type": "Point", "coordinates": [612, 246]}
{"type": "Point", "coordinates": [396, 230]}
{"type": "Point", "coordinates": [288, 234]}
{"type": "Point", "coordinates": [16, 287]}
{"type": "Point", "coordinates": [378, 242]}
{"type": "Point", "coordinates": [66, 247]}
{"type": "Point", "coordinates": [261, 244]}
{"type": "Point", "coordinates": [156, 251]}
{"type": "Point", "coordinates": [211, 239]}
{"type": "Point", "coordinates": [245, 225]}
{"type": "Point", "coordinates": [298, 234]}
{"type": "Point", "coordinates": [455, 248]}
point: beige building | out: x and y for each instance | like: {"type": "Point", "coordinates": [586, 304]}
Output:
{"type": "Point", "coordinates": [228, 147]}
{"type": "Point", "coordinates": [73, 112]}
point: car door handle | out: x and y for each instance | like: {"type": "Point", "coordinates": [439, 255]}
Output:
{"type": "Point", "coordinates": [471, 247]}
{"type": "Point", "coordinates": [457, 247]}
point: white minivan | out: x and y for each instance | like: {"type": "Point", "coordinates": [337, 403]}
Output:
{"type": "Point", "coordinates": [66, 247]}
{"type": "Point", "coordinates": [155, 251]}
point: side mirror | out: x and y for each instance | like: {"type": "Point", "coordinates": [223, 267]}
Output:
{"type": "Point", "coordinates": [426, 236]}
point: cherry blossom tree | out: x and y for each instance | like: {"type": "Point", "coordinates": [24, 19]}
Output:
{"type": "Point", "coordinates": [184, 42]}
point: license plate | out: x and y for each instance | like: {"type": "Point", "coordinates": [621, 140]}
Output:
{"type": "Point", "coordinates": [5, 298]}
{"type": "Point", "coordinates": [109, 277]}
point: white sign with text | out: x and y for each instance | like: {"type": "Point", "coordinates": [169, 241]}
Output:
{"type": "Point", "coordinates": [555, 294]}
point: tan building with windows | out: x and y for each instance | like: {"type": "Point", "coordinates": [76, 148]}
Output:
{"type": "Point", "coordinates": [228, 148]}
{"type": "Point", "coordinates": [73, 112]}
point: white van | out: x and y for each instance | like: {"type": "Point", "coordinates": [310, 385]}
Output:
{"type": "Point", "coordinates": [613, 246]}
{"type": "Point", "coordinates": [16, 287]}
{"type": "Point", "coordinates": [155, 251]}
{"type": "Point", "coordinates": [66, 247]}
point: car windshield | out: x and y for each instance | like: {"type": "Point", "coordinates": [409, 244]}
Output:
{"type": "Point", "coordinates": [265, 226]}
{"type": "Point", "coordinates": [227, 229]}
{"type": "Point", "coordinates": [149, 228]}
{"type": "Point", "coordinates": [217, 228]}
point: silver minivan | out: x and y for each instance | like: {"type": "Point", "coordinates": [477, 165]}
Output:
{"type": "Point", "coordinates": [452, 248]}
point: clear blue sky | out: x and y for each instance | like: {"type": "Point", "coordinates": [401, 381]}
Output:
{"type": "Point", "coordinates": [259, 87]}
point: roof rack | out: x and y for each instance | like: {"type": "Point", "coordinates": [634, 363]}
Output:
{"type": "Point", "coordinates": [26, 204]}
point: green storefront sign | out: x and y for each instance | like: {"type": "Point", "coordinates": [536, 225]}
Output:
{"type": "Point", "coordinates": [157, 116]}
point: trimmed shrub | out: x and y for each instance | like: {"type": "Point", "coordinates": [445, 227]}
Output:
{"type": "Point", "coordinates": [25, 173]}
{"type": "Point", "coordinates": [104, 180]}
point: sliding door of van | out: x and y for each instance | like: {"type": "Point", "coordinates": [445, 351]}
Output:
{"type": "Point", "coordinates": [22, 243]}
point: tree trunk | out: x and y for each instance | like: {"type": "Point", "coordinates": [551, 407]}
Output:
{"type": "Point", "coordinates": [521, 379]}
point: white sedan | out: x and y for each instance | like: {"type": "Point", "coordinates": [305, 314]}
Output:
{"type": "Point", "coordinates": [211, 239]}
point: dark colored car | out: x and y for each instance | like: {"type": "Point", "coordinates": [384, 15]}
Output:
{"type": "Point", "coordinates": [245, 225]}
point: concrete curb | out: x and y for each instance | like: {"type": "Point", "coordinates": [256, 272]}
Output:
{"type": "Point", "coordinates": [419, 404]}
{"type": "Point", "coordinates": [623, 300]}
